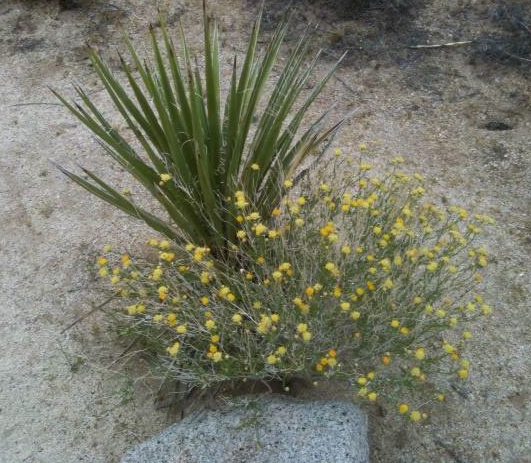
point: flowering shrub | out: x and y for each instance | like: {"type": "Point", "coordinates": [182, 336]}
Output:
{"type": "Point", "coordinates": [364, 281]}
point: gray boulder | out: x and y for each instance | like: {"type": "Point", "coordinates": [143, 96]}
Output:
{"type": "Point", "coordinates": [263, 429]}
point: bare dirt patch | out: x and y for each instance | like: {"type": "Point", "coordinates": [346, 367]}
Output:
{"type": "Point", "coordinates": [459, 114]}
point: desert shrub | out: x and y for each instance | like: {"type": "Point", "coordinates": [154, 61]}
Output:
{"type": "Point", "coordinates": [191, 153]}
{"type": "Point", "coordinates": [364, 280]}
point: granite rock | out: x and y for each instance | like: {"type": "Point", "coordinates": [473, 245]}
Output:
{"type": "Point", "coordinates": [263, 429]}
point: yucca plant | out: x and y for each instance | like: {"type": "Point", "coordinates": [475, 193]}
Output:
{"type": "Point", "coordinates": [196, 152]}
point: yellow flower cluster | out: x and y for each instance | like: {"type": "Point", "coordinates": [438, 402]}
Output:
{"type": "Point", "coordinates": [370, 267]}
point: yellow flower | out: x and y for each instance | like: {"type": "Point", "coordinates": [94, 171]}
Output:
{"type": "Point", "coordinates": [158, 318]}
{"type": "Point", "coordinates": [333, 238]}
{"type": "Point", "coordinates": [210, 325]}
{"type": "Point", "coordinates": [131, 310]}
{"type": "Point", "coordinates": [255, 167]}
{"type": "Point", "coordinates": [372, 396]}
{"type": "Point", "coordinates": [164, 245]}
{"type": "Point", "coordinates": [346, 250]}
{"type": "Point", "coordinates": [277, 276]}
{"type": "Point", "coordinates": [377, 230]}
{"type": "Point", "coordinates": [332, 268]}
{"type": "Point", "coordinates": [103, 261]}
{"type": "Point", "coordinates": [310, 291]}
{"type": "Point", "coordinates": [272, 359]}
{"type": "Point", "coordinates": [115, 279]}
{"type": "Point", "coordinates": [405, 331]}
{"type": "Point", "coordinates": [260, 229]}
{"type": "Point", "coordinates": [395, 323]}
{"type": "Point", "coordinates": [355, 315]}
{"type": "Point", "coordinates": [432, 266]}
{"type": "Point", "coordinates": [281, 350]}
{"type": "Point", "coordinates": [288, 184]}
{"type": "Point", "coordinates": [205, 278]}
{"type": "Point", "coordinates": [237, 319]}
{"type": "Point", "coordinates": [362, 381]}
{"type": "Point", "coordinates": [415, 416]}
{"type": "Point", "coordinates": [345, 306]}
{"type": "Point", "coordinates": [420, 353]}
{"type": "Point", "coordinates": [171, 319]}
{"type": "Point", "coordinates": [241, 234]}
{"type": "Point", "coordinates": [126, 261]}
{"type": "Point", "coordinates": [403, 409]}
{"type": "Point", "coordinates": [204, 300]}
{"type": "Point", "coordinates": [337, 292]}
{"type": "Point", "coordinates": [302, 328]}
{"type": "Point", "coordinates": [200, 253]}
{"type": "Point", "coordinates": [217, 357]}
{"type": "Point", "coordinates": [103, 272]}
{"type": "Point", "coordinates": [265, 325]}
{"type": "Point", "coordinates": [463, 373]}
{"type": "Point", "coordinates": [388, 284]}
{"type": "Point", "coordinates": [164, 178]}
{"type": "Point", "coordinates": [299, 222]}
{"type": "Point", "coordinates": [157, 274]}
{"type": "Point", "coordinates": [328, 229]}
{"type": "Point", "coordinates": [448, 348]}
{"type": "Point", "coordinates": [275, 317]}
{"type": "Point", "coordinates": [173, 350]}
{"type": "Point", "coordinates": [181, 329]}
{"type": "Point", "coordinates": [163, 293]}
{"type": "Point", "coordinates": [273, 234]}
{"type": "Point", "coordinates": [486, 309]}
{"type": "Point", "coordinates": [306, 336]}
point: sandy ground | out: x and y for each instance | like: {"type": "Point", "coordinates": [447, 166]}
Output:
{"type": "Point", "coordinates": [63, 396]}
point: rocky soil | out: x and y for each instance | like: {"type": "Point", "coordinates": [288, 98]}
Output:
{"type": "Point", "coordinates": [460, 114]}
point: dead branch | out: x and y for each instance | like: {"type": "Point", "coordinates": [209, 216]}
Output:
{"type": "Point", "coordinates": [441, 45]}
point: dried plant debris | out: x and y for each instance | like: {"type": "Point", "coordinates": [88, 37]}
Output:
{"type": "Point", "coordinates": [512, 44]}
